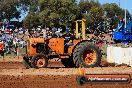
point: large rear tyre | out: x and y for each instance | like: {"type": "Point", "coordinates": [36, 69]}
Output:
{"type": "Point", "coordinates": [39, 61]}
{"type": "Point", "coordinates": [68, 62]}
{"type": "Point", "coordinates": [86, 55]}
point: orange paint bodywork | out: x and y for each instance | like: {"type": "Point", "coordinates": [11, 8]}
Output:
{"type": "Point", "coordinates": [71, 47]}
{"type": "Point", "coordinates": [57, 45]}
{"type": "Point", "coordinates": [34, 41]}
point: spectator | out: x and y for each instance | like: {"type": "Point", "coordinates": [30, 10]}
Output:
{"type": "Point", "coordinates": [22, 43]}
{"type": "Point", "coordinates": [3, 36]}
{"type": "Point", "coordinates": [33, 30]}
{"type": "Point", "coordinates": [6, 48]}
{"type": "Point", "coordinates": [15, 43]}
{"type": "Point", "coordinates": [121, 24]}
{"type": "Point", "coordinates": [44, 33]}
{"type": "Point", "coordinates": [16, 30]}
{"type": "Point", "coordinates": [88, 38]}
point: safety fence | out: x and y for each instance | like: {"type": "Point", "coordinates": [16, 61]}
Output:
{"type": "Point", "coordinates": [119, 55]}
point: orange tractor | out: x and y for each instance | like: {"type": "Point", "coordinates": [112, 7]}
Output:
{"type": "Point", "coordinates": [73, 53]}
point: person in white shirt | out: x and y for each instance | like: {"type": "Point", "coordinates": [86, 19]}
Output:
{"type": "Point", "coordinates": [22, 42]}
{"type": "Point", "coordinates": [15, 46]}
{"type": "Point", "coordinates": [44, 33]}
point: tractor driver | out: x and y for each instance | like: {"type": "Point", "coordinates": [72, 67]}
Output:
{"type": "Point", "coordinates": [69, 37]}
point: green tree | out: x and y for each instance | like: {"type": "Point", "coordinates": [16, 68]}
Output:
{"type": "Point", "coordinates": [112, 9]}
{"type": "Point", "coordinates": [32, 20]}
{"type": "Point", "coordinates": [91, 11]}
{"type": "Point", "coordinates": [8, 9]}
{"type": "Point", "coordinates": [57, 12]}
{"type": "Point", "coordinates": [114, 12]}
{"type": "Point", "coordinates": [28, 5]}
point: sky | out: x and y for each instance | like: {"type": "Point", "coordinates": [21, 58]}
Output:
{"type": "Point", "coordinates": [123, 4]}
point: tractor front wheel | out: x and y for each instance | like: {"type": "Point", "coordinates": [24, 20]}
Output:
{"type": "Point", "coordinates": [26, 62]}
{"type": "Point", "coordinates": [39, 61]}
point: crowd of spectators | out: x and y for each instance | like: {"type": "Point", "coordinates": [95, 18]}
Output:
{"type": "Point", "coordinates": [14, 39]}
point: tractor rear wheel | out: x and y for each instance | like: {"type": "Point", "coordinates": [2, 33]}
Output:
{"type": "Point", "coordinates": [87, 55]}
{"type": "Point", "coordinates": [39, 61]}
{"type": "Point", "coordinates": [68, 62]}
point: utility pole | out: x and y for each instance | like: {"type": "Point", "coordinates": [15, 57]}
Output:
{"type": "Point", "coordinates": [119, 3]}
{"type": "Point", "coordinates": [125, 12]}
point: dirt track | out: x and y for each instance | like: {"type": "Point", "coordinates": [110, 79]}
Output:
{"type": "Point", "coordinates": [14, 75]}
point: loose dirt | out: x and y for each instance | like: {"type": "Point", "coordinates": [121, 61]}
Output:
{"type": "Point", "coordinates": [14, 75]}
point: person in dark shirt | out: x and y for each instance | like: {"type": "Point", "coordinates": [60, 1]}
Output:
{"type": "Point", "coordinates": [121, 25]}
{"type": "Point", "coordinates": [69, 37]}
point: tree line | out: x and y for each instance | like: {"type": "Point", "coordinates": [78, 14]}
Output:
{"type": "Point", "coordinates": [55, 13]}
